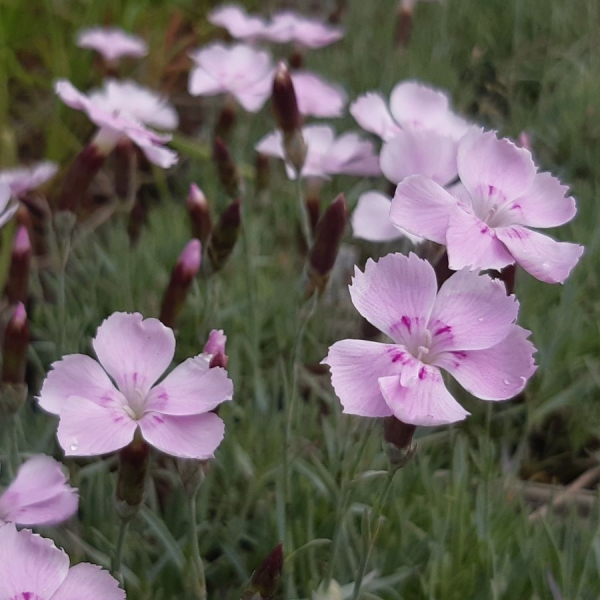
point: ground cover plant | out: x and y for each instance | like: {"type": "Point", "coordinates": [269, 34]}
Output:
{"type": "Point", "coordinates": [299, 304]}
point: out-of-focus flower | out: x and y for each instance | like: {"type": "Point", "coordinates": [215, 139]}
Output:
{"type": "Point", "coordinates": [238, 22]}
{"type": "Point", "coordinates": [239, 70]}
{"type": "Point", "coordinates": [317, 97]}
{"type": "Point", "coordinates": [199, 213]}
{"type": "Point", "coordinates": [289, 27]}
{"type": "Point", "coordinates": [39, 495]}
{"type": "Point", "coordinates": [215, 346]}
{"type": "Point", "coordinates": [467, 328]}
{"type": "Point", "coordinates": [327, 155]}
{"type": "Point", "coordinates": [412, 106]}
{"type": "Point", "coordinates": [119, 114]}
{"type": "Point", "coordinates": [97, 416]}
{"type": "Point", "coordinates": [486, 226]}
{"type": "Point", "coordinates": [18, 272]}
{"type": "Point", "coordinates": [7, 208]}
{"type": "Point", "coordinates": [33, 568]}
{"type": "Point", "coordinates": [112, 43]}
{"type": "Point", "coordinates": [23, 179]}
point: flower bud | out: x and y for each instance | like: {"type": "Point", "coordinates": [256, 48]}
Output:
{"type": "Point", "coordinates": [324, 251]}
{"type": "Point", "coordinates": [14, 348]}
{"type": "Point", "coordinates": [184, 271]}
{"type": "Point", "coordinates": [216, 347]}
{"type": "Point", "coordinates": [36, 215]}
{"type": "Point", "coordinates": [263, 583]}
{"type": "Point", "coordinates": [226, 169]}
{"type": "Point", "coordinates": [18, 274]}
{"type": "Point", "coordinates": [313, 201]}
{"type": "Point", "coordinates": [199, 213]}
{"type": "Point", "coordinates": [404, 22]}
{"type": "Point", "coordinates": [398, 442]}
{"type": "Point", "coordinates": [131, 480]}
{"type": "Point", "coordinates": [225, 235]}
{"type": "Point", "coordinates": [125, 161]}
{"type": "Point", "coordinates": [226, 121]}
{"type": "Point", "coordinates": [524, 140]}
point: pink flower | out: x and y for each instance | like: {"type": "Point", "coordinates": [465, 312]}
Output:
{"type": "Point", "coordinates": [33, 568]}
{"type": "Point", "coordinates": [112, 43]}
{"type": "Point", "coordinates": [215, 347]}
{"type": "Point", "coordinates": [487, 225]}
{"type": "Point", "coordinates": [239, 70]}
{"type": "Point", "coordinates": [327, 155]}
{"type": "Point", "coordinates": [23, 179]}
{"type": "Point", "coordinates": [238, 22]}
{"type": "Point", "coordinates": [467, 328]}
{"type": "Point", "coordinates": [97, 416]}
{"type": "Point", "coordinates": [371, 220]}
{"type": "Point", "coordinates": [317, 97]}
{"type": "Point", "coordinates": [413, 106]}
{"type": "Point", "coordinates": [289, 27]}
{"type": "Point", "coordinates": [120, 110]}
{"type": "Point", "coordinates": [39, 495]}
{"type": "Point", "coordinates": [7, 208]}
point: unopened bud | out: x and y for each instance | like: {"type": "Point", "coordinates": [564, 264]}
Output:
{"type": "Point", "coordinates": [35, 213]}
{"type": "Point", "coordinates": [216, 347]}
{"type": "Point", "coordinates": [225, 235]}
{"type": "Point", "coordinates": [131, 480]}
{"type": "Point", "coordinates": [125, 161]}
{"type": "Point", "coordinates": [14, 348]}
{"type": "Point", "coordinates": [199, 213]}
{"type": "Point", "coordinates": [524, 141]}
{"type": "Point", "coordinates": [18, 274]}
{"type": "Point", "coordinates": [184, 271]}
{"type": "Point", "coordinates": [226, 169]}
{"type": "Point", "coordinates": [324, 251]}
{"type": "Point", "coordinates": [313, 201]}
{"type": "Point", "coordinates": [226, 122]}
{"type": "Point", "coordinates": [263, 583]}
{"type": "Point", "coordinates": [398, 442]}
{"type": "Point", "coordinates": [192, 473]}
{"type": "Point", "coordinates": [296, 60]}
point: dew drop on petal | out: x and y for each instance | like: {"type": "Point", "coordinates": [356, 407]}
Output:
{"type": "Point", "coordinates": [506, 381]}
{"type": "Point", "coordinates": [480, 319]}
{"type": "Point", "coordinates": [74, 445]}
{"type": "Point", "coordinates": [545, 266]}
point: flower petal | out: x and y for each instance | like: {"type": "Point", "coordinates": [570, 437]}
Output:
{"type": "Point", "coordinates": [77, 375]}
{"type": "Point", "coordinates": [190, 389]}
{"type": "Point", "coordinates": [416, 105]}
{"type": "Point", "coordinates": [370, 111]}
{"type": "Point", "coordinates": [89, 581]}
{"type": "Point", "coordinates": [202, 83]}
{"type": "Point", "coordinates": [423, 208]}
{"type": "Point", "coordinates": [86, 429]}
{"type": "Point", "coordinates": [471, 312]}
{"type": "Point", "coordinates": [190, 436]}
{"type": "Point", "coordinates": [425, 402]}
{"type": "Point", "coordinates": [471, 243]}
{"type": "Point", "coordinates": [396, 295]}
{"type": "Point", "coordinates": [497, 373]}
{"type": "Point", "coordinates": [29, 564]}
{"type": "Point", "coordinates": [134, 351]}
{"type": "Point", "coordinates": [317, 97]}
{"type": "Point", "coordinates": [271, 145]}
{"type": "Point", "coordinates": [351, 154]}
{"type": "Point", "coordinates": [541, 256]}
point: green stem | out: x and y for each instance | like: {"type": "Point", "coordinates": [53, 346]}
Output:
{"type": "Point", "coordinates": [304, 218]}
{"type": "Point", "coordinates": [200, 579]}
{"type": "Point", "coordinates": [116, 563]}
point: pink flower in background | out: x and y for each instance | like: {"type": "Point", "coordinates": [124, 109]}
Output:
{"type": "Point", "coordinates": [112, 43]}
{"type": "Point", "coordinates": [467, 328]}
{"type": "Point", "coordinates": [239, 70]}
{"type": "Point", "coordinates": [487, 225]}
{"type": "Point", "coordinates": [8, 208]}
{"type": "Point", "coordinates": [33, 568]}
{"type": "Point", "coordinates": [412, 106]}
{"type": "Point", "coordinates": [371, 220]}
{"type": "Point", "coordinates": [238, 22]}
{"type": "Point", "coordinates": [98, 416]}
{"type": "Point", "coordinates": [119, 114]}
{"type": "Point", "coordinates": [289, 27]}
{"type": "Point", "coordinates": [317, 97]}
{"type": "Point", "coordinates": [23, 179]}
{"type": "Point", "coordinates": [327, 155]}
{"type": "Point", "coordinates": [39, 495]}
{"type": "Point", "coordinates": [215, 347]}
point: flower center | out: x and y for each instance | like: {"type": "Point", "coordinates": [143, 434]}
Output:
{"type": "Point", "coordinates": [136, 405]}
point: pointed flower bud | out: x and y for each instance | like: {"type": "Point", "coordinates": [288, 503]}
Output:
{"type": "Point", "coordinates": [263, 583]}
{"type": "Point", "coordinates": [131, 480]}
{"type": "Point", "coordinates": [199, 213]}
{"type": "Point", "coordinates": [14, 350]}
{"type": "Point", "coordinates": [225, 235]}
{"type": "Point", "coordinates": [228, 173]}
{"type": "Point", "coordinates": [398, 442]}
{"type": "Point", "coordinates": [216, 347]}
{"type": "Point", "coordinates": [18, 274]}
{"type": "Point", "coordinates": [186, 268]}
{"type": "Point", "coordinates": [226, 121]}
{"type": "Point", "coordinates": [404, 22]}
{"type": "Point", "coordinates": [324, 251]}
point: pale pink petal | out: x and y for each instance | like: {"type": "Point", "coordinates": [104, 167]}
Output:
{"type": "Point", "coordinates": [356, 366]}
{"type": "Point", "coordinates": [352, 155]}
{"type": "Point", "coordinates": [286, 27]}
{"type": "Point", "coordinates": [112, 43]}
{"type": "Point", "coordinates": [77, 375]}
{"type": "Point", "coordinates": [86, 429]}
{"type": "Point", "coordinates": [237, 21]}
{"type": "Point", "coordinates": [471, 312]}
{"type": "Point", "coordinates": [471, 243]}
{"type": "Point", "coordinates": [86, 581]}
{"type": "Point", "coordinates": [134, 351]}
{"type": "Point", "coordinates": [202, 83]}
{"type": "Point", "coordinates": [498, 373]}
{"type": "Point", "coordinates": [190, 436]}
{"type": "Point", "coordinates": [158, 155]}
{"type": "Point", "coordinates": [371, 219]}
{"type": "Point", "coordinates": [271, 145]}
{"type": "Point", "coordinates": [396, 295]}
{"type": "Point", "coordinates": [541, 256]}
{"type": "Point", "coordinates": [371, 112]}
{"type": "Point", "coordinates": [425, 402]}
{"type": "Point", "coordinates": [493, 170]}
{"type": "Point", "coordinates": [253, 97]}
{"type": "Point", "coordinates": [544, 204]}
{"type": "Point", "coordinates": [423, 208]}
{"type": "Point", "coordinates": [416, 105]}
{"type": "Point", "coordinates": [7, 210]}
{"type": "Point", "coordinates": [30, 566]}
{"type": "Point", "coordinates": [419, 152]}
{"type": "Point", "coordinates": [70, 95]}
{"type": "Point", "coordinates": [191, 388]}
{"type": "Point", "coordinates": [23, 179]}
{"type": "Point", "coordinates": [317, 97]}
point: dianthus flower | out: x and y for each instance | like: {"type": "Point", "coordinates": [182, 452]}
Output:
{"type": "Point", "coordinates": [487, 225]}
{"type": "Point", "coordinates": [239, 70]}
{"type": "Point", "coordinates": [23, 179]}
{"type": "Point", "coordinates": [39, 495]}
{"type": "Point", "coordinates": [326, 155]}
{"type": "Point", "coordinates": [238, 22]}
{"type": "Point", "coordinates": [317, 97]}
{"type": "Point", "coordinates": [290, 27]}
{"type": "Point", "coordinates": [112, 43]}
{"type": "Point", "coordinates": [33, 568]}
{"type": "Point", "coordinates": [467, 328]}
{"type": "Point", "coordinates": [98, 416]}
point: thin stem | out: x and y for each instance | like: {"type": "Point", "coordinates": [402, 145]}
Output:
{"type": "Point", "coordinates": [304, 217]}
{"type": "Point", "coordinates": [116, 563]}
{"type": "Point", "coordinates": [200, 579]}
